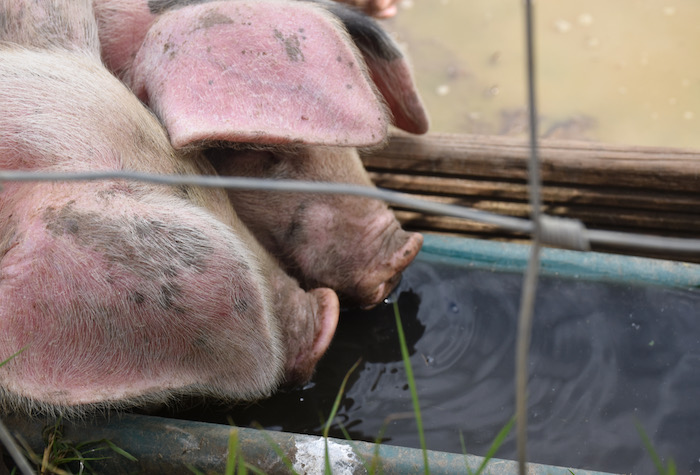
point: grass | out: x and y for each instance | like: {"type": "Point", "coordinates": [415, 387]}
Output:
{"type": "Point", "coordinates": [663, 470]}
{"type": "Point", "coordinates": [61, 456]}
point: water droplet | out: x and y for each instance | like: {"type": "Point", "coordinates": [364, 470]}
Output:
{"type": "Point", "coordinates": [454, 308]}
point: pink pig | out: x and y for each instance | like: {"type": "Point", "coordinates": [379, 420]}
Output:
{"type": "Point", "coordinates": [123, 293]}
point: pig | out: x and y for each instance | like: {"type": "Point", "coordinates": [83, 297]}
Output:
{"type": "Point", "coordinates": [122, 293]}
{"type": "Point", "coordinates": [219, 73]}
{"type": "Point", "coordinates": [348, 243]}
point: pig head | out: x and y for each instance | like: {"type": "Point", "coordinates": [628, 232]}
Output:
{"type": "Point", "coordinates": [280, 72]}
{"type": "Point", "coordinates": [351, 244]}
{"type": "Point", "coordinates": [117, 292]}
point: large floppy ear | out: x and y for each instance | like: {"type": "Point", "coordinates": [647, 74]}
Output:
{"type": "Point", "coordinates": [388, 66]}
{"type": "Point", "coordinates": [257, 71]}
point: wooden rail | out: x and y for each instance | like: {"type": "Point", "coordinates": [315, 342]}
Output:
{"type": "Point", "coordinates": [647, 190]}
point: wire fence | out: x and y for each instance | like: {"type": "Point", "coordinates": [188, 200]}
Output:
{"type": "Point", "coordinates": [545, 230]}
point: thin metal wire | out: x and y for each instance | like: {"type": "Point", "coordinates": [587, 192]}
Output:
{"type": "Point", "coordinates": [529, 289]}
{"type": "Point", "coordinates": [627, 241]}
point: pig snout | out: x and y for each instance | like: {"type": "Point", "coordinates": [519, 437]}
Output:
{"type": "Point", "coordinates": [360, 256]}
{"type": "Point", "coordinates": [380, 280]}
{"type": "Point", "coordinates": [324, 314]}
{"type": "Point", "coordinates": [307, 322]}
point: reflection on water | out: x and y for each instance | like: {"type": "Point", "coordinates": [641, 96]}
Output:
{"type": "Point", "coordinates": [603, 356]}
{"type": "Point", "coordinates": [619, 72]}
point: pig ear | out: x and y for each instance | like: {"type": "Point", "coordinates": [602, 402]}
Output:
{"type": "Point", "coordinates": [260, 72]}
{"type": "Point", "coordinates": [388, 67]}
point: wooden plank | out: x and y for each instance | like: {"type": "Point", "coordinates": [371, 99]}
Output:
{"type": "Point", "coordinates": [584, 195]}
{"type": "Point", "coordinates": [562, 161]}
{"type": "Point", "coordinates": [596, 217]}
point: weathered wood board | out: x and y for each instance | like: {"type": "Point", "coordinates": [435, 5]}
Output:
{"type": "Point", "coordinates": [647, 190]}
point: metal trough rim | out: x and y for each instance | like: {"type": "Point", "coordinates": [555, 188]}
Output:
{"type": "Point", "coordinates": [164, 445]}
{"type": "Point", "coordinates": [592, 266]}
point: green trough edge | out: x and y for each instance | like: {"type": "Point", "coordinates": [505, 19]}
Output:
{"type": "Point", "coordinates": [163, 445]}
{"type": "Point", "coordinates": [594, 266]}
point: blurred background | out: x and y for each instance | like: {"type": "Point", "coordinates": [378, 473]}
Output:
{"type": "Point", "coordinates": [623, 72]}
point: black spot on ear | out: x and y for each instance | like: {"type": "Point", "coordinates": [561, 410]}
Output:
{"type": "Point", "coordinates": [369, 37]}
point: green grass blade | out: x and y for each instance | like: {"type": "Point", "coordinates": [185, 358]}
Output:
{"type": "Point", "coordinates": [326, 458]}
{"type": "Point", "coordinates": [496, 444]}
{"type": "Point", "coordinates": [338, 398]}
{"type": "Point", "coordinates": [232, 452]}
{"type": "Point", "coordinates": [652, 453]}
{"type": "Point", "coordinates": [194, 469]}
{"type": "Point", "coordinates": [464, 452]}
{"type": "Point", "coordinates": [347, 437]}
{"type": "Point", "coordinates": [118, 450]}
{"type": "Point", "coordinates": [412, 386]}
{"type": "Point", "coordinates": [3, 363]}
{"type": "Point", "coordinates": [254, 469]}
{"type": "Point", "coordinates": [331, 417]}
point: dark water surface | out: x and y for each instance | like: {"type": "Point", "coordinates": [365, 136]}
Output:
{"type": "Point", "coordinates": [603, 356]}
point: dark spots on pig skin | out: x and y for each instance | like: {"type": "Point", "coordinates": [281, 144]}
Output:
{"type": "Point", "coordinates": [348, 86]}
{"type": "Point", "coordinates": [9, 237]}
{"type": "Point", "coordinates": [241, 306]}
{"type": "Point", "coordinates": [185, 192]}
{"type": "Point", "coordinates": [293, 231]}
{"type": "Point", "coordinates": [292, 46]}
{"type": "Point", "coordinates": [149, 248]}
{"type": "Point", "coordinates": [169, 292]}
{"type": "Point", "coordinates": [137, 297]}
{"type": "Point", "coordinates": [202, 341]}
{"type": "Point", "coordinates": [213, 18]}
{"type": "Point", "coordinates": [169, 50]}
